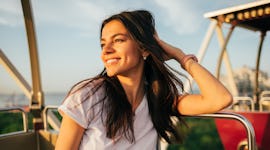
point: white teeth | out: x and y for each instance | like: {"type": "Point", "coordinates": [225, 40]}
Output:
{"type": "Point", "coordinates": [110, 61]}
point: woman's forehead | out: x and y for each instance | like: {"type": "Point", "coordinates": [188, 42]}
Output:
{"type": "Point", "coordinates": [113, 27]}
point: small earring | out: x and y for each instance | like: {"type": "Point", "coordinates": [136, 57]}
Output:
{"type": "Point", "coordinates": [144, 57]}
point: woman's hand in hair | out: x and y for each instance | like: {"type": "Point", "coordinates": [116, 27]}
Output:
{"type": "Point", "coordinates": [213, 95]}
{"type": "Point", "coordinates": [170, 52]}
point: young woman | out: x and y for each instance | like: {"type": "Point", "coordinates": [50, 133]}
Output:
{"type": "Point", "coordinates": [130, 103]}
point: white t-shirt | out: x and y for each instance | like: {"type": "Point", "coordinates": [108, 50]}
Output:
{"type": "Point", "coordinates": [94, 137]}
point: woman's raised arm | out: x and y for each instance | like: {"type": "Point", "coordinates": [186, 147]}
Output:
{"type": "Point", "coordinates": [213, 95]}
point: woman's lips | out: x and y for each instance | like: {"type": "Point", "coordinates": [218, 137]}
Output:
{"type": "Point", "coordinates": [112, 61]}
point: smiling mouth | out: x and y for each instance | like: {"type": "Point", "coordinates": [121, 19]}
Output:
{"type": "Point", "coordinates": [111, 61]}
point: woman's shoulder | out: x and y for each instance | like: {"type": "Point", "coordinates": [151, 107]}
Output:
{"type": "Point", "coordinates": [79, 103]}
{"type": "Point", "coordinates": [86, 89]}
{"type": "Point", "coordinates": [88, 85]}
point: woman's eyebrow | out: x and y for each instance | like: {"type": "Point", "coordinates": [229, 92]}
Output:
{"type": "Point", "coordinates": [117, 34]}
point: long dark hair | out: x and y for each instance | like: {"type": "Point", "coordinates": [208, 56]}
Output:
{"type": "Point", "coordinates": [162, 86]}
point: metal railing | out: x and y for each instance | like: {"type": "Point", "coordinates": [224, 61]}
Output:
{"type": "Point", "coordinates": [264, 101]}
{"type": "Point", "coordinates": [24, 115]}
{"type": "Point", "coordinates": [265, 94]}
{"type": "Point", "coordinates": [242, 102]}
{"type": "Point", "coordinates": [49, 118]}
{"type": "Point", "coordinates": [264, 104]}
{"type": "Point", "coordinates": [248, 126]}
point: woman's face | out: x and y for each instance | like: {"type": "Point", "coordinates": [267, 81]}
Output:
{"type": "Point", "coordinates": [121, 55]}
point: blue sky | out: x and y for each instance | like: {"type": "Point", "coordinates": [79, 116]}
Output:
{"type": "Point", "coordinates": [68, 36]}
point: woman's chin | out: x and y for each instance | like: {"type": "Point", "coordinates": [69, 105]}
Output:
{"type": "Point", "coordinates": [111, 73]}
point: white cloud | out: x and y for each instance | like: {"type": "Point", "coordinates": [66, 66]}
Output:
{"type": "Point", "coordinates": [67, 13]}
{"type": "Point", "coordinates": [10, 6]}
{"type": "Point", "coordinates": [83, 15]}
{"type": "Point", "coordinates": [10, 11]}
{"type": "Point", "coordinates": [3, 21]}
{"type": "Point", "coordinates": [182, 16]}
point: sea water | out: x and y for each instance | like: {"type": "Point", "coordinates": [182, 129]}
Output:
{"type": "Point", "coordinates": [13, 100]}
{"type": "Point", "coordinates": [55, 99]}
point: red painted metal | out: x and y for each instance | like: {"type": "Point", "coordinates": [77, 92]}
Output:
{"type": "Point", "coordinates": [232, 132]}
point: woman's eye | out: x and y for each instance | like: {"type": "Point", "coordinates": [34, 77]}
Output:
{"type": "Point", "coordinates": [118, 40]}
{"type": "Point", "coordinates": [102, 45]}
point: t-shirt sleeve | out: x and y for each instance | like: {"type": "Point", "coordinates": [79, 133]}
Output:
{"type": "Point", "coordinates": [77, 107]}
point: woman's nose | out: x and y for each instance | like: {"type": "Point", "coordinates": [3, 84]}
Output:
{"type": "Point", "coordinates": [107, 48]}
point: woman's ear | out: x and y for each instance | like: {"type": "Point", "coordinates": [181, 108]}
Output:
{"type": "Point", "coordinates": [145, 54]}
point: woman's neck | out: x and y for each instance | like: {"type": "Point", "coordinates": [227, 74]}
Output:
{"type": "Point", "coordinates": [134, 89]}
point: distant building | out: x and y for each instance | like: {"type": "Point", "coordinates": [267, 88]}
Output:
{"type": "Point", "coordinates": [245, 80]}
